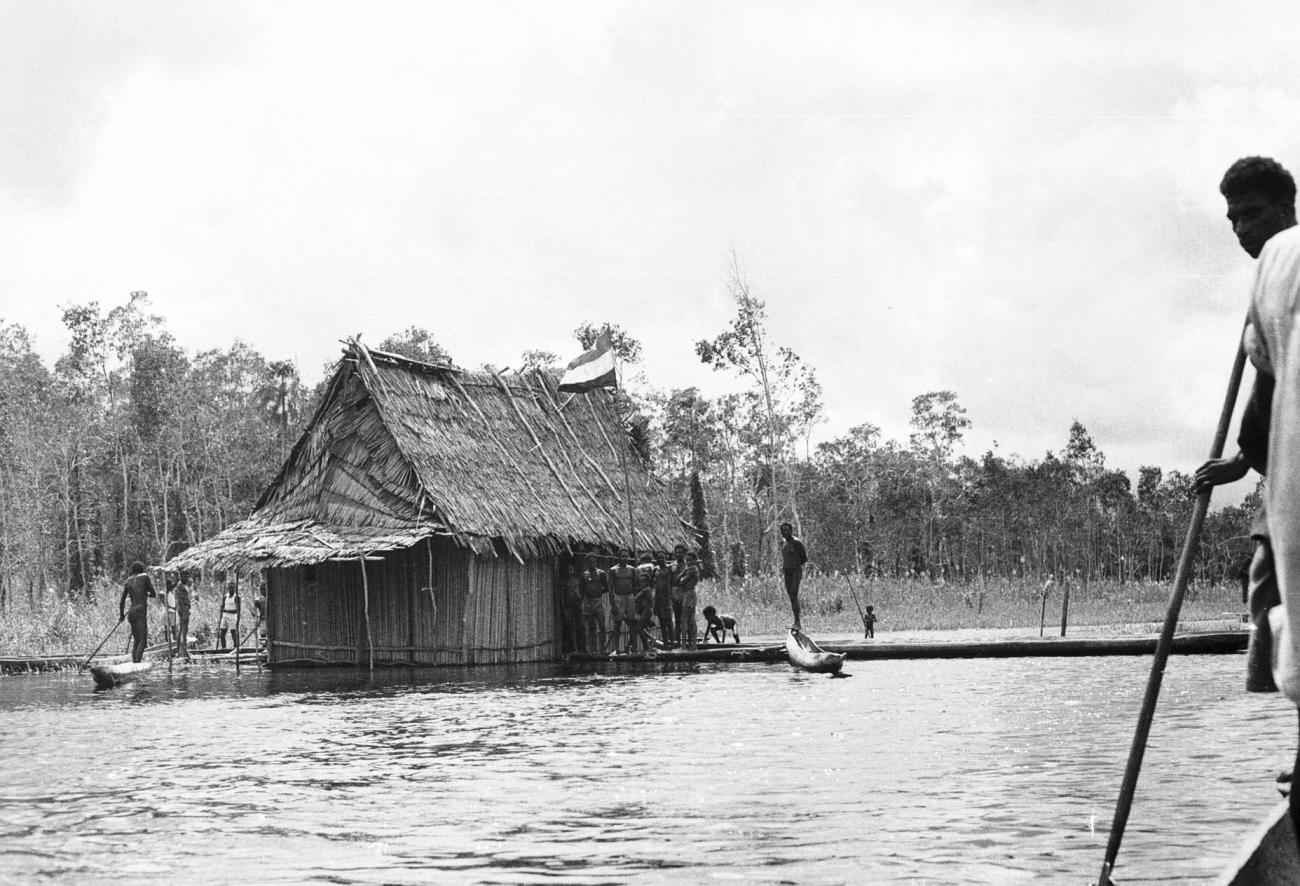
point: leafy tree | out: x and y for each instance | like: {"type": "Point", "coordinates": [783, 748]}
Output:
{"type": "Point", "coordinates": [700, 520]}
{"type": "Point", "coordinates": [417, 344]}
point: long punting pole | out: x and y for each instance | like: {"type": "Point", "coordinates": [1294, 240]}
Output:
{"type": "Point", "coordinates": [111, 631]}
{"type": "Point", "coordinates": [1184, 574]}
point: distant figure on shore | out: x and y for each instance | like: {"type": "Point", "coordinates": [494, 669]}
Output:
{"type": "Point", "coordinates": [138, 589]}
{"type": "Point", "coordinates": [593, 585]}
{"type": "Point", "coordinates": [184, 594]}
{"type": "Point", "coordinates": [717, 626]}
{"type": "Point", "coordinates": [793, 557]}
{"type": "Point", "coordinates": [869, 623]}
{"type": "Point", "coordinates": [231, 604]}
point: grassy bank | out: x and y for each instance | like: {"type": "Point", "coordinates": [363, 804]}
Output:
{"type": "Point", "coordinates": [760, 603]}
{"type": "Point", "coordinates": [52, 625]}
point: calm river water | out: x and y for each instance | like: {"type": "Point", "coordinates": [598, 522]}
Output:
{"type": "Point", "coordinates": [944, 772]}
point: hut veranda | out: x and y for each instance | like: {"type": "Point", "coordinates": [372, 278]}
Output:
{"type": "Point", "coordinates": [423, 516]}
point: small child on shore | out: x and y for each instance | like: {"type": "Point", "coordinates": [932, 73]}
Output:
{"type": "Point", "coordinates": [869, 623]}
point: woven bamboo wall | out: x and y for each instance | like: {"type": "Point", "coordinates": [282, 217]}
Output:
{"type": "Point", "coordinates": [511, 612]}
{"type": "Point", "coordinates": [313, 615]}
{"type": "Point", "coordinates": [431, 604]}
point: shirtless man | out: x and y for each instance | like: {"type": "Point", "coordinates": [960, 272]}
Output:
{"type": "Point", "coordinates": [622, 604]}
{"type": "Point", "coordinates": [592, 583]}
{"type": "Point", "coordinates": [793, 557]}
{"type": "Point", "coordinates": [138, 588]}
{"type": "Point", "coordinates": [664, 599]}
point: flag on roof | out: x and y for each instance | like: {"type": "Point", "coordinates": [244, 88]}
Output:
{"type": "Point", "coordinates": [594, 369]}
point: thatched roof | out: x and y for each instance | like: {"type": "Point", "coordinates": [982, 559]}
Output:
{"type": "Point", "coordinates": [401, 450]}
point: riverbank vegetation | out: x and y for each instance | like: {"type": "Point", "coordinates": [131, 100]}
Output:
{"type": "Point", "coordinates": [830, 605]}
{"type": "Point", "coordinates": [131, 447]}
{"type": "Point", "coordinates": [57, 624]}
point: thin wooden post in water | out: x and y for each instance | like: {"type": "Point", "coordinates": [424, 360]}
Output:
{"type": "Point", "coordinates": [239, 610]}
{"type": "Point", "coordinates": [1065, 605]}
{"type": "Point", "coordinates": [1163, 645]}
{"type": "Point", "coordinates": [365, 590]}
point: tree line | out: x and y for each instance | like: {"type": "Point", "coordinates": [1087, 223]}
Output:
{"type": "Point", "coordinates": [129, 447]}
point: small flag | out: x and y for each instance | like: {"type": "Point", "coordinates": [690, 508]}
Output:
{"type": "Point", "coordinates": [594, 369]}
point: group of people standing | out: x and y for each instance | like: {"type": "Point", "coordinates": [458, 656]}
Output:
{"type": "Point", "coordinates": [611, 610]}
{"type": "Point", "coordinates": [177, 598]}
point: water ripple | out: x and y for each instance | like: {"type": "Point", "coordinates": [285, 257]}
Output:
{"type": "Point", "coordinates": [914, 772]}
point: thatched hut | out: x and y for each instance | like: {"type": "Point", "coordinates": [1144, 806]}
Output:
{"type": "Point", "coordinates": [422, 514]}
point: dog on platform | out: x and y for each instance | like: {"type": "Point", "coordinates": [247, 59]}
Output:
{"type": "Point", "coordinates": [717, 626]}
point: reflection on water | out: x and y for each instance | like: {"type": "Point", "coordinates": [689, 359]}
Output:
{"type": "Point", "coordinates": [991, 771]}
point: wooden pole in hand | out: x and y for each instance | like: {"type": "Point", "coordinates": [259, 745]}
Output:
{"type": "Point", "coordinates": [110, 633]}
{"type": "Point", "coordinates": [1163, 645]}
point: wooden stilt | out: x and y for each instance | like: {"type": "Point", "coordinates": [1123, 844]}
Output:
{"type": "Point", "coordinates": [239, 610]}
{"type": "Point", "coordinates": [365, 590]}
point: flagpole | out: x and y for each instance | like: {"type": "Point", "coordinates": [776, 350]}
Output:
{"type": "Point", "coordinates": [622, 451]}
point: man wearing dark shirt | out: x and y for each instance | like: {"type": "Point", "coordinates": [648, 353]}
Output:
{"type": "Point", "coordinates": [793, 557]}
{"type": "Point", "coordinates": [138, 589]}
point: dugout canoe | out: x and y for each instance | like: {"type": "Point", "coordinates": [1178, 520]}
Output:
{"type": "Point", "coordinates": [806, 654]}
{"type": "Point", "coordinates": [110, 675]}
{"type": "Point", "coordinates": [1268, 856]}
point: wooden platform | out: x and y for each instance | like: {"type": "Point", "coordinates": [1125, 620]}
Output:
{"type": "Point", "coordinates": [1216, 643]}
{"type": "Point", "coordinates": [29, 664]}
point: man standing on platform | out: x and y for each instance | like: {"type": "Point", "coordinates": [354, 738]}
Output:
{"type": "Point", "coordinates": [622, 604]}
{"type": "Point", "coordinates": [572, 638]}
{"type": "Point", "coordinates": [138, 588]}
{"type": "Point", "coordinates": [663, 579]}
{"type": "Point", "coordinates": [183, 599]}
{"type": "Point", "coordinates": [592, 583]}
{"type": "Point", "coordinates": [793, 557]}
{"type": "Point", "coordinates": [682, 582]}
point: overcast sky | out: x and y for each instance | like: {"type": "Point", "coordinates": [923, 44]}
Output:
{"type": "Point", "coordinates": [1016, 201]}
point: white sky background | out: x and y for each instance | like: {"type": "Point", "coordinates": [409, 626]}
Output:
{"type": "Point", "coordinates": [1017, 201]}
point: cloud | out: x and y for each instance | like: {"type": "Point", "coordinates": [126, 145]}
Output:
{"type": "Point", "coordinates": [1018, 203]}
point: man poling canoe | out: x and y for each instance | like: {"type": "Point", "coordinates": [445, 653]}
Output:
{"type": "Point", "coordinates": [138, 589]}
{"type": "Point", "coordinates": [1261, 207]}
